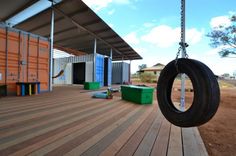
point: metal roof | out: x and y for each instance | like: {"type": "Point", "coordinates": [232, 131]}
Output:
{"type": "Point", "coordinates": [10, 8]}
{"type": "Point", "coordinates": [76, 26]}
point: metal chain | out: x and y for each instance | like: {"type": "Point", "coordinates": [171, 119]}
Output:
{"type": "Point", "coordinates": [182, 42]}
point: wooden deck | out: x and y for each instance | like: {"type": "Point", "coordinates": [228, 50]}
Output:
{"type": "Point", "coordinates": [68, 121]}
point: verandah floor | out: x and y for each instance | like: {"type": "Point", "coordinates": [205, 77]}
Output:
{"type": "Point", "coordinates": [68, 121]}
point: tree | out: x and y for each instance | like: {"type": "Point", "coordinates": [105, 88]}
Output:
{"type": "Point", "coordinates": [142, 66]}
{"type": "Point", "coordinates": [224, 37]}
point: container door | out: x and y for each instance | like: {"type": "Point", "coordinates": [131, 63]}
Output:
{"type": "Point", "coordinates": [68, 73]}
{"type": "Point", "coordinates": [89, 72]}
{"type": "Point", "coordinates": [2, 56]}
{"type": "Point", "coordinates": [12, 61]}
{"type": "Point", "coordinates": [100, 69]}
{"type": "Point", "coordinates": [32, 59]}
{"type": "Point", "coordinates": [109, 72]}
{"type": "Point", "coordinates": [125, 72]}
{"type": "Point", "coordinates": [43, 65]}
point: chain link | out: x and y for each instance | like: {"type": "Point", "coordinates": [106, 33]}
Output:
{"type": "Point", "coordinates": [182, 43]}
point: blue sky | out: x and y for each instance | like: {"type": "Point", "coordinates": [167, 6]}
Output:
{"type": "Point", "coordinates": [151, 27]}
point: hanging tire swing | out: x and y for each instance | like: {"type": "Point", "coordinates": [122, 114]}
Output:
{"type": "Point", "coordinates": [205, 85]}
{"type": "Point", "coordinates": [206, 93]}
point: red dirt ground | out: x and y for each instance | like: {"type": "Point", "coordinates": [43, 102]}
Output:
{"type": "Point", "coordinates": [219, 134]}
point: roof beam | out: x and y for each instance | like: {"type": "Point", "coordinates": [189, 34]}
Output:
{"type": "Point", "coordinates": [20, 10]}
{"type": "Point", "coordinates": [69, 50]}
{"type": "Point", "coordinates": [59, 19]}
{"type": "Point", "coordinates": [109, 37]}
{"type": "Point", "coordinates": [71, 37]}
{"type": "Point", "coordinates": [91, 33]}
{"type": "Point", "coordinates": [102, 30]}
{"type": "Point", "coordinates": [91, 22]}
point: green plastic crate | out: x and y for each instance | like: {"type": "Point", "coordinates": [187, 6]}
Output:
{"type": "Point", "coordinates": [91, 85]}
{"type": "Point", "coordinates": [137, 94]}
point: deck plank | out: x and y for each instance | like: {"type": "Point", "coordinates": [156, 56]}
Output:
{"type": "Point", "coordinates": [34, 138]}
{"type": "Point", "coordinates": [69, 122]}
{"type": "Point", "coordinates": [175, 142]}
{"type": "Point", "coordinates": [117, 126]}
{"type": "Point", "coordinates": [145, 147]}
{"type": "Point", "coordinates": [76, 141]}
{"type": "Point", "coordinates": [114, 147]}
{"type": "Point", "coordinates": [132, 144]}
{"type": "Point", "coordinates": [161, 144]}
{"type": "Point", "coordinates": [192, 145]}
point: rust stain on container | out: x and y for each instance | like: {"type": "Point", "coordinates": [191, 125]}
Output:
{"type": "Point", "coordinates": [24, 57]}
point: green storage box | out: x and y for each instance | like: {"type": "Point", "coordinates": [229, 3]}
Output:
{"type": "Point", "coordinates": [137, 94]}
{"type": "Point", "coordinates": [91, 85]}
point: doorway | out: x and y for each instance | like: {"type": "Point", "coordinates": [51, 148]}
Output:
{"type": "Point", "coordinates": [79, 73]}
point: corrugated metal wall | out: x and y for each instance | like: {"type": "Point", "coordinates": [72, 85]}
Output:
{"type": "Point", "coordinates": [126, 72]}
{"type": "Point", "coordinates": [24, 57]}
{"type": "Point", "coordinates": [66, 78]}
{"type": "Point", "coordinates": [109, 72]}
{"type": "Point", "coordinates": [120, 72]}
{"type": "Point", "coordinates": [89, 72]}
{"type": "Point", "coordinates": [77, 59]}
{"type": "Point", "coordinates": [60, 64]}
{"type": "Point", "coordinates": [100, 69]}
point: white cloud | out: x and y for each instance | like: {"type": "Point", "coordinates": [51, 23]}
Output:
{"type": "Point", "coordinates": [111, 12]}
{"type": "Point", "coordinates": [193, 36]}
{"type": "Point", "coordinates": [164, 36]}
{"type": "Point", "coordinates": [148, 25]}
{"type": "Point", "coordinates": [220, 21]}
{"type": "Point", "coordinates": [97, 5]}
{"type": "Point", "coordinates": [132, 38]}
{"type": "Point", "coordinates": [100, 4]}
{"type": "Point", "coordinates": [122, 1]}
{"type": "Point", "coordinates": [215, 51]}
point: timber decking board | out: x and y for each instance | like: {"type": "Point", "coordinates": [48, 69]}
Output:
{"type": "Point", "coordinates": [69, 122]}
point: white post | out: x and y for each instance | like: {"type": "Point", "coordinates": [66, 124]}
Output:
{"type": "Point", "coordinates": [182, 100]}
{"type": "Point", "coordinates": [51, 48]}
{"type": "Point", "coordinates": [94, 59]}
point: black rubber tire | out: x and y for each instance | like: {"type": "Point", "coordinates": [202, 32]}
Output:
{"type": "Point", "coordinates": [214, 94]}
{"type": "Point", "coordinates": [206, 93]}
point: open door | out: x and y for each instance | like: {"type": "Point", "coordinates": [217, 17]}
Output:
{"type": "Point", "coordinates": [79, 73]}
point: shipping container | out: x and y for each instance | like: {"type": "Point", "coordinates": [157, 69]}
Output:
{"type": "Point", "coordinates": [100, 69]}
{"type": "Point", "coordinates": [67, 65]}
{"type": "Point", "coordinates": [24, 57]}
{"type": "Point", "coordinates": [82, 70]}
{"type": "Point", "coordinates": [120, 72]}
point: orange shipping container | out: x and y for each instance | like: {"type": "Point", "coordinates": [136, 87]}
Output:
{"type": "Point", "coordinates": [24, 57]}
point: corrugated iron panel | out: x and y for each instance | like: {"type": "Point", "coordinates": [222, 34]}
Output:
{"type": "Point", "coordinates": [100, 69]}
{"type": "Point", "coordinates": [120, 72]}
{"type": "Point", "coordinates": [126, 72]}
{"type": "Point", "coordinates": [23, 58]}
{"type": "Point", "coordinates": [89, 72]}
{"type": "Point", "coordinates": [77, 59]}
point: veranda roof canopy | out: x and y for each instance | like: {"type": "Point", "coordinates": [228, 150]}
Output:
{"type": "Point", "coordinates": [10, 8]}
{"type": "Point", "coordinates": [76, 27]}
